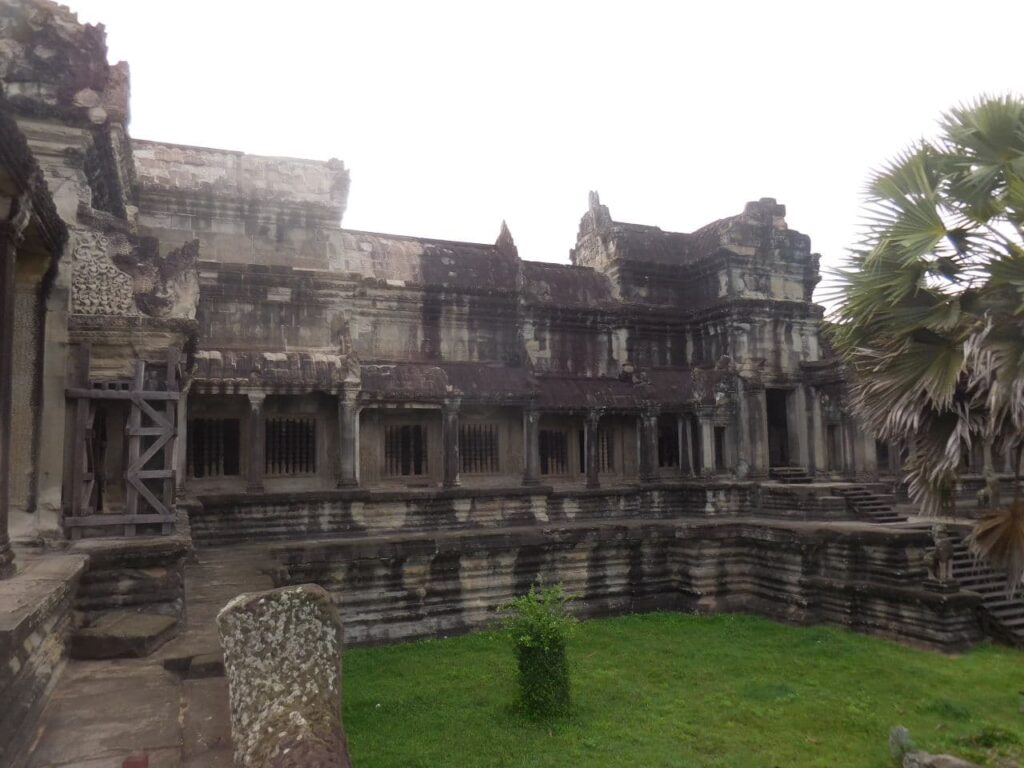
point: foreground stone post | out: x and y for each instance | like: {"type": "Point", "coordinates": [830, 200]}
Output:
{"type": "Point", "coordinates": [282, 658]}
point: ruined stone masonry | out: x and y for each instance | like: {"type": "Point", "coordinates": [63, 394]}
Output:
{"type": "Point", "coordinates": [194, 352]}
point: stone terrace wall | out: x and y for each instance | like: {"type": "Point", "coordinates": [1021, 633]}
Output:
{"type": "Point", "coordinates": [394, 588]}
{"type": "Point", "coordinates": [35, 629]}
{"type": "Point", "coordinates": [235, 518]}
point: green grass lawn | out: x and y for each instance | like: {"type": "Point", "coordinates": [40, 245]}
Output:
{"type": "Point", "coordinates": [680, 690]}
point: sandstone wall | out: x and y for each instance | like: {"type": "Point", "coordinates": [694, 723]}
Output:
{"type": "Point", "coordinates": [394, 588]}
{"type": "Point", "coordinates": [229, 518]}
{"type": "Point", "coordinates": [35, 629]}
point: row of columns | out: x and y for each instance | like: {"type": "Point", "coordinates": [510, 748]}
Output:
{"type": "Point", "coordinates": [694, 459]}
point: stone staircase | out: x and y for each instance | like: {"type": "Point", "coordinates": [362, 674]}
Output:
{"type": "Point", "coordinates": [1003, 613]}
{"type": "Point", "coordinates": [790, 475]}
{"type": "Point", "coordinates": [870, 505]}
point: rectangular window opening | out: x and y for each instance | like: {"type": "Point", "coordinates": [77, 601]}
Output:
{"type": "Point", "coordinates": [719, 449]}
{"type": "Point", "coordinates": [290, 446]}
{"type": "Point", "coordinates": [478, 449]}
{"type": "Point", "coordinates": [668, 444]}
{"type": "Point", "coordinates": [405, 450]}
{"type": "Point", "coordinates": [554, 452]}
{"type": "Point", "coordinates": [212, 448]}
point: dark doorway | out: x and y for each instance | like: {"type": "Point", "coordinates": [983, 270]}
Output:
{"type": "Point", "coordinates": [778, 427]}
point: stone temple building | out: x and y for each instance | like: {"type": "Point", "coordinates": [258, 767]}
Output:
{"type": "Point", "coordinates": [195, 354]}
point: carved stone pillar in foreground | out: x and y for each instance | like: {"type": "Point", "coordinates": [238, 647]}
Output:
{"type": "Point", "coordinates": [593, 459]}
{"type": "Point", "coordinates": [282, 659]}
{"type": "Point", "coordinates": [8, 243]}
{"type": "Point", "coordinates": [531, 439]}
{"type": "Point", "coordinates": [450, 442]}
{"type": "Point", "coordinates": [348, 438]}
{"type": "Point", "coordinates": [257, 442]}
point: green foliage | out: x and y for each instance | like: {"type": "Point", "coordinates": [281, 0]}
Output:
{"type": "Point", "coordinates": [539, 627]}
{"type": "Point", "coordinates": [681, 691]}
{"type": "Point", "coordinates": [931, 309]}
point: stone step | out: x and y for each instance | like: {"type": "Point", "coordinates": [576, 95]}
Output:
{"type": "Point", "coordinates": [122, 634]}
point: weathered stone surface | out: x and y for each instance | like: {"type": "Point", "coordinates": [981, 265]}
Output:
{"type": "Point", "coordinates": [282, 655]}
{"type": "Point", "coordinates": [926, 760]}
{"type": "Point", "coordinates": [122, 634]}
{"type": "Point", "coordinates": [35, 627]}
{"type": "Point", "coordinates": [863, 577]}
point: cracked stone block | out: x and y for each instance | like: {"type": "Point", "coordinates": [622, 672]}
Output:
{"type": "Point", "coordinates": [282, 658]}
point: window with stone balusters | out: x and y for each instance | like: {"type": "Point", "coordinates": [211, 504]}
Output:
{"type": "Point", "coordinates": [478, 449]}
{"type": "Point", "coordinates": [668, 443]}
{"type": "Point", "coordinates": [291, 446]}
{"type": "Point", "coordinates": [212, 448]}
{"type": "Point", "coordinates": [554, 452]}
{"type": "Point", "coordinates": [605, 450]}
{"type": "Point", "coordinates": [405, 450]}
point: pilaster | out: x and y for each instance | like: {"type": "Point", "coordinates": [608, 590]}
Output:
{"type": "Point", "coordinates": [257, 442]}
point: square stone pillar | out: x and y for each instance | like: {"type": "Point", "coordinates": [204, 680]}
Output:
{"type": "Point", "coordinates": [866, 455]}
{"type": "Point", "coordinates": [799, 428]}
{"type": "Point", "coordinates": [531, 445]}
{"type": "Point", "coordinates": [348, 438]}
{"type": "Point", "coordinates": [685, 454]}
{"type": "Point", "coordinates": [707, 443]}
{"type": "Point", "coordinates": [450, 442]}
{"type": "Point", "coordinates": [257, 442]}
{"type": "Point", "coordinates": [756, 423]}
{"type": "Point", "coordinates": [181, 444]}
{"type": "Point", "coordinates": [648, 424]}
{"type": "Point", "coordinates": [8, 243]}
{"type": "Point", "coordinates": [818, 453]}
{"type": "Point", "coordinates": [592, 421]}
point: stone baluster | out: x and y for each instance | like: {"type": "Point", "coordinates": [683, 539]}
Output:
{"type": "Point", "coordinates": [531, 440]}
{"type": "Point", "coordinates": [685, 454]}
{"type": "Point", "coordinates": [257, 442]}
{"type": "Point", "coordinates": [450, 442]}
{"type": "Point", "coordinates": [348, 437]}
{"type": "Point", "coordinates": [593, 459]}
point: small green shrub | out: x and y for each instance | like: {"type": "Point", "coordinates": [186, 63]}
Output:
{"type": "Point", "coordinates": [539, 627]}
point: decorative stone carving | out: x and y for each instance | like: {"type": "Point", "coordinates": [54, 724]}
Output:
{"type": "Point", "coordinates": [282, 658]}
{"type": "Point", "coordinates": [939, 561]}
{"type": "Point", "coordinates": [98, 287]}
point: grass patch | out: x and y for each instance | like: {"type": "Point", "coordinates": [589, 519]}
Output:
{"type": "Point", "coordinates": [679, 690]}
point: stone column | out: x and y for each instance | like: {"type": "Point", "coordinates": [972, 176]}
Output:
{"type": "Point", "coordinates": [257, 442]}
{"type": "Point", "coordinates": [531, 445]}
{"type": "Point", "coordinates": [649, 446]}
{"type": "Point", "coordinates": [9, 238]}
{"type": "Point", "coordinates": [450, 441]}
{"type": "Point", "coordinates": [798, 402]}
{"type": "Point", "coordinates": [818, 455]}
{"type": "Point", "coordinates": [348, 438]}
{"type": "Point", "coordinates": [282, 659]}
{"type": "Point", "coordinates": [707, 441]}
{"type": "Point", "coordinates": [685, 454]}
{"type": "Point", "coordinates": [592, 421]}
{"type": "Point", "coordinates": [757, 430]}
{"type": "Point", "coordinates": [866, 454]}
{"type": "Point", "coordinates": [181, 443]}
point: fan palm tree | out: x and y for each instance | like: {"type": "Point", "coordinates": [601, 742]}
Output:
{"type": "Point", "coordinates": [930, 312]}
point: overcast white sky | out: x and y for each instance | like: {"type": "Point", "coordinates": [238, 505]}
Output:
{"type": "Point", "coordinates": [454, 116]}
